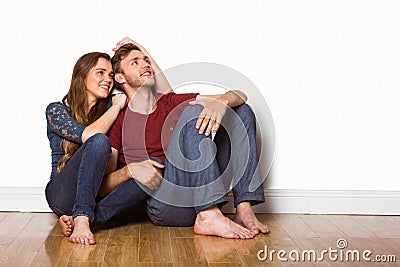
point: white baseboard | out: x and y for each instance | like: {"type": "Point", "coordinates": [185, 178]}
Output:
{"type": "Point", "coordinates": [32, 199]}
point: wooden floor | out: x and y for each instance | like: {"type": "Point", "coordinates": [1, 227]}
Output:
{"type": "Point", "coordinates": [35, 239]}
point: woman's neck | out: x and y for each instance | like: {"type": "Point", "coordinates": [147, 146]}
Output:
{"type": "Point", "coordinates": [91, 103]}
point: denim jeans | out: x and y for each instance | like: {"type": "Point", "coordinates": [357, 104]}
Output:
{"type": "Point", "coordinates": [193, 160]}
{"type": "Point", "coordinates": [73, 191]}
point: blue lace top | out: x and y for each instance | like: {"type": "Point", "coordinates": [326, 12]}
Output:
{"type": "Point", "coordinates": [60, 125]}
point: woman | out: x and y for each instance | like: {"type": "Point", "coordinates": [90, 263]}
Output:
{"type": "Point", "coordinates": [80, 149]}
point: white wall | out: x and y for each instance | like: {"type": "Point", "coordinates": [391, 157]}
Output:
{"type": "Point", "coordinates": [329, 71]}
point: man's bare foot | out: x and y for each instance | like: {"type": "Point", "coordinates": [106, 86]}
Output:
{"type": "Point", "coordinates": [211, 221]}
{"type": "Point", "coordinates": [246, 217]}
{"type": "Point", "coordinates": [67, 224]}
{"type": "Point", "coordinates": [81, 233]}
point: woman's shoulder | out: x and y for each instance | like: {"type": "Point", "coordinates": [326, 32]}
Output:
{"type": "Point", "coordinates": [55, 106]}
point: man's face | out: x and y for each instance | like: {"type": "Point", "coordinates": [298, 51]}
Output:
{"type": "Point", "coordinates": [137, 70]}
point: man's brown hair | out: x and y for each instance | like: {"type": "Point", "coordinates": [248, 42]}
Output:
{"type": "Point", "coordinates": [120, 55]}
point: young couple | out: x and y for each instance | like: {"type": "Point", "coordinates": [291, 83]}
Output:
{"type": "Point", "coordinates": [108, 156]}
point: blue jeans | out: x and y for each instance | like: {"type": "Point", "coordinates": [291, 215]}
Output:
{"type": "Point", "coordinates": [73, 191]}
{"type": "Point", "coordinates": [210, 166]}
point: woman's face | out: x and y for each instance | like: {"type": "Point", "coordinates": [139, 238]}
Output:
{"type": "Point", "coordinates": [99, 80]}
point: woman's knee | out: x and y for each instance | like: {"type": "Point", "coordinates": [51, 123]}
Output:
{"type": "Point", "coordinates": [99, 142]}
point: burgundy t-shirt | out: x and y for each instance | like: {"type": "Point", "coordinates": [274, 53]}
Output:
{"type": "Point", "coordinates": [138, 137]}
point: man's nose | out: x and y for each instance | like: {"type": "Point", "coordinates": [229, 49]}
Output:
{"type": "Point", "coordinates": [145, 65]}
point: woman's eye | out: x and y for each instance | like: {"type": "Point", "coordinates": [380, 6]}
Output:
{"type": "Point", "coordinates": [100, 72]}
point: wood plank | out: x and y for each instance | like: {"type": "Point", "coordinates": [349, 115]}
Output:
{"type": "Point", "coordinates": [322, 226]}
{"type": "Point", "coordinates": [126, 230]}
{"type": "Point", "coordinates": [122, 251]}
{"type": "Point", "coordinates": [225, 264]}
{"type": "Point", "coordinates": [378, 247]}
{"type": "Point", "coordinates": [219, 250]}
{"type": "Point", "coordinates": [35, 239]}
{"type": "Point", "coordinates": [155, 244]}
{"type": "Point", "coordinates": [188, 250]}
{"type": "Point", "coordinates": [184, 262]}
{"type": "Point", "coordinates": [92, 253]}
{"type": "Point", "coordinates": [14, 258]}
{"type": "Point", "coordinates": [3, 215]}
{"type": "Point", "coordinates": [294, 226]}
{"type": "Point", "coordinates": [56, 252]}
{"type": "Point", "coordinates": [276, 229]}
{"type": "Point", "coordinates": [379, 227]}
{"type": "Point", "coordinates": [394, 243]}
{"type": "Point", "coordinates": [350, 227]}
{"type": "Point", "coordinates": [84, 264]}
{"type": "Point", "coordinates": [155, 264]}
{"type": "Point", "coordinates": [34, 233]}
{"type": "Point", "coordinates": [11, 226]}
{"type": "Point", "coordinates": [182, 231]}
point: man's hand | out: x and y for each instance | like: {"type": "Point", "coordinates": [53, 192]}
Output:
{"type": "Point", "coordinates": [126, 40]}
{"type": "Point", "coordinates": [146, 173]}
{"type": "Point", "coordinates": [211, 115]}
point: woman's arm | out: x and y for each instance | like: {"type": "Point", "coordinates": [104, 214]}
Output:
{"type": "Point", "coordinates": [103, 124]}
{"type": "Point", "coordinates": [161, 83]}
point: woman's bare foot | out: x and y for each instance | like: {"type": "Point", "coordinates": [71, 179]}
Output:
{"type": "Point", "coordinates": [211, 221]}
{"type": "Point", "coordinates": [246, 217]}
{"type": "Point", "coordinates": [67, 225]}
{"type": "Point", "coordinates": [81, 233]}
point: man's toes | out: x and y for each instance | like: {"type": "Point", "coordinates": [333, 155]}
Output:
{"type": "Point", "coordinates": [255, 231]}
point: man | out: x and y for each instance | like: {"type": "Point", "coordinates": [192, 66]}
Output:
{"type": "Point", "coordinates": [139, 143]}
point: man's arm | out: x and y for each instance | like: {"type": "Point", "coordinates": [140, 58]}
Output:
{"type": "Point", "coordinates": [214, 108]}
{"type": "Point", "coordinates": [144, 172]}
{"type": "Point", "coordinates": [113, 177]}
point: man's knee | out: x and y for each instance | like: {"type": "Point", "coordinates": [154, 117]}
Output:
{"type": "Point", "coordinates": [192, 112]}
{"type": "Point", "coordinates": [167, 215]}
{"type": "Point", "coordinates": [245, 113]}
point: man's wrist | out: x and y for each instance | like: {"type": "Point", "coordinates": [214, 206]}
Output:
{"type": "Point", "coordinates": [127, 172]}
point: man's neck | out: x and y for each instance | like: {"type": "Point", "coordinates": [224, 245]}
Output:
{"type": "Point", "coordinates": [141, 100]}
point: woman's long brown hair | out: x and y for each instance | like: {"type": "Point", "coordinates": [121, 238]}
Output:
{"type": "Point", "coordinates": [76, 101]}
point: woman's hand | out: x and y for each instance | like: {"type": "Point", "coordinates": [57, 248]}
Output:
{"type": "Point", "coordinates": [211, 115]}
{"type": "Point", "coordinates": [120, 100]}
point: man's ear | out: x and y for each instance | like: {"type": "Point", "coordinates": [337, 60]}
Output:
{"type": "Point", "coordinates": [119, 78]}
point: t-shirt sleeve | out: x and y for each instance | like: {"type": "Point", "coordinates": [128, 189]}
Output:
{"type": "Point", "coordinates": [115, 133]}
{"type": "Point", "coordinates": [60, 121]}
{"type": "Point", "coordinates": [176, 99]}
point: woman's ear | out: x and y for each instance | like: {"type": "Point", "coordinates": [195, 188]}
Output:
{"type": "Point", "coordinates": [119, 78]}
